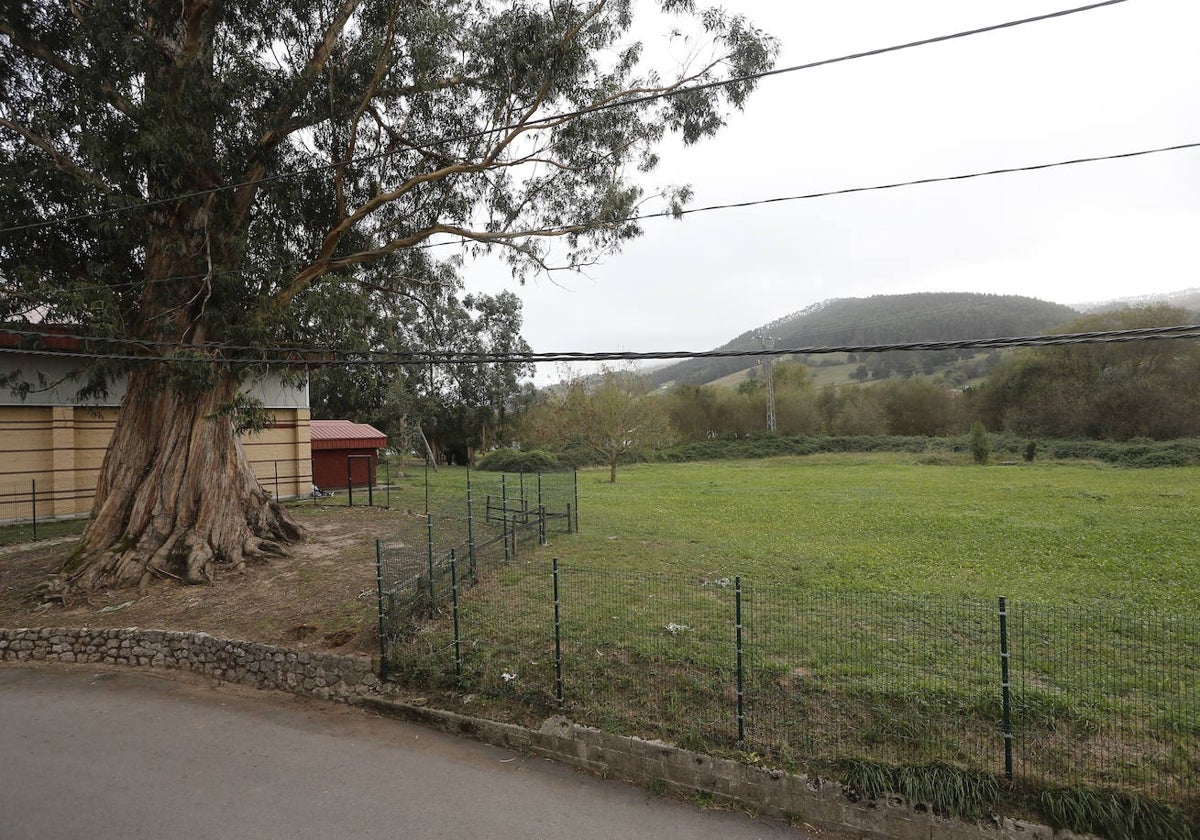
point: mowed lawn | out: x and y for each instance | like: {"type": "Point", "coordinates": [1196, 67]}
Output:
{"type": "Point", "coordinates": [870, 625]}
{"type": "Point", "coordinates": [1051, 533]}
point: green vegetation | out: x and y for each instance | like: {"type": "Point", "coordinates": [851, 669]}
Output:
{"type": "Point", "coordinates": [23, 532]}
{"type": "Point", "coordinates": [869, 586]}
{"type": "Point", "coordinates": [944, 789]}
{"type": "Point", "coordinates": [905, 523]}
{"type": "Point", "coordinates": [934, 450]}
{"type": "Point", "coordinates": [981, 446]}
{"type": "Point", "coordinates": [519, 461]}
{"type": "Point", "coordinates": [610, 416]}
{"type": "Point", "coordinates": [1119, 816]}
{"type": "Point", "coordinates": [1083, 396]}
{"type": "Point", "coordinates": [1107, 391]}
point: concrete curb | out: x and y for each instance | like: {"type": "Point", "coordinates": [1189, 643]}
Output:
{"type": "Point", "coordinates": [819, 803]}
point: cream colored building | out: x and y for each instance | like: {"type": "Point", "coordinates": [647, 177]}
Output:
{"type": "Point", "coordinates": [52, 442]}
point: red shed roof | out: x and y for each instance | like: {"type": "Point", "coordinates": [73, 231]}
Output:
{"type": "Point", "coordinates": [343, 434]}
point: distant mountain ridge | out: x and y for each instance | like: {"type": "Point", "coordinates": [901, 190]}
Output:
{"type": "Point", "coordinates": [881, 319]}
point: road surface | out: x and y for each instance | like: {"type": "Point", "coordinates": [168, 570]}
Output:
{"type": "Point", "coordinates": [122, 754]}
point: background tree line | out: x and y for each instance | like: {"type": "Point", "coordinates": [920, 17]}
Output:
{"type": "Point", "coordinates": [1104, 392]}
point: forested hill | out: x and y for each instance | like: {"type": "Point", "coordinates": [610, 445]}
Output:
{"type": "Point", "coordinates": [882, 319]}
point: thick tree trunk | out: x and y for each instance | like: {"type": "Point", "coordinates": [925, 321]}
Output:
{"type": "Point", "coordinates": [176, 496]}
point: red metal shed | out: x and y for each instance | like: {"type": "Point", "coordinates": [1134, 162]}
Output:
{"type": "Point", "coordinates": [338, 450]}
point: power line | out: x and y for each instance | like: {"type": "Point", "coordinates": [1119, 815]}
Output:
{"type": "Point", "coordinates": [319, 358]}
{"type": "Point", "coordinates": [1008, 170]}
{"type": "Point", "coordinates": [737, 205]}
{"type": "Point", "coordinates": [581, 112]}
{"type": "Point", "coordinates": [919, 181]}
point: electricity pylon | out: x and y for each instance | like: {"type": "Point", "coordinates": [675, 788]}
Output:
{"type": "Point", "coordinates": [768, 364]}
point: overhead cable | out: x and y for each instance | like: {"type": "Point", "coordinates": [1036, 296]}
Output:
{"type": "Point", "coordinates": [317, 358]}
{"type": "Point", "coordinates": [555, 118]}
{"type": "Point", "coordinates": [737, 205]}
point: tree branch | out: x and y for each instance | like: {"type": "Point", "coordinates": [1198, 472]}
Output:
{"type": "Point", "coordinates": [381, 68]}
{"type": "Point", "coordinates": [282, 123]}
{"type": "Point", "coordinates": [61, 161]}
{"type": "Point", "coordinates": [37, 49]}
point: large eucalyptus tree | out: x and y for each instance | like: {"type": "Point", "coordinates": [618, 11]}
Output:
{"type": "Point", "coordinates": [189, 176]}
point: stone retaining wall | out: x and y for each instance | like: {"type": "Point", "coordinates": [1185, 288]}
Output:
{"type": "Point", "coordinates": [656, 765]}
{"type": "Point", "coordinates": [324, 675]}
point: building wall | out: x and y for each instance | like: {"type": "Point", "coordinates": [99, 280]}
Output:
{"type": "Point", "coordinates": [57, 450]}
{"type": "Point", "coordinates": [329, 468]}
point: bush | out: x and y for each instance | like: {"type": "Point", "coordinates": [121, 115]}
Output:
{"type": "Point", "coordinates": [981, 447]}
{"type": "Point", "coordinates": [1173, 453]}
{"type": "Point", "coordinates": [519, 461]}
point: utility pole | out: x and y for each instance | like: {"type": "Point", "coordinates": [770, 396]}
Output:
{"type": "Point", "coordinates": [768, 364]}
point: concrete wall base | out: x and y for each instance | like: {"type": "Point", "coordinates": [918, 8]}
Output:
{"type": "Point", "coordinates": [655, 765]}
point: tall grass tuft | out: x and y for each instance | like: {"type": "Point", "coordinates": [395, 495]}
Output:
{"type": "Point", "coordinates": [941, 788]}
{"type": "Point", "coordinates": [1114, 815]}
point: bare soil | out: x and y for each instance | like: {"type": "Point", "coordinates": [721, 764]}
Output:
{"type": "Point", "coordinates": [322, 597]}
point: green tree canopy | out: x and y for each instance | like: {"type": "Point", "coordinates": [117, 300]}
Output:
{"type": "Point", "coordinates": [613, 414]}
{"type": "Point", "coordinates": [1113, 391]}
{"type": "Point", "coordinates": [195, 174]}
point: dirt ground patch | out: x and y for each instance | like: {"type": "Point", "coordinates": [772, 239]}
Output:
{"type": "Point", "coordinates": [322, 597]}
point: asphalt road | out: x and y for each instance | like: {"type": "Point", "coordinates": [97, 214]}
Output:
{"type": "Point", "coordinates": [97, 755]}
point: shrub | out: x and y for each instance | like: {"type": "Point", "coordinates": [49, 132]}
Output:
{"type": "Point", "coordinates": [519, 461]}
{"type": "Point", "coordinates": [981, 446]}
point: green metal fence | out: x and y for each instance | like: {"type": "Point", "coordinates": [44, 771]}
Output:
{"type": "Point", "coordinates": [1047, 696]}
{"type": "Point", "coordinates": [27, 511]}
{"type": "Point", "coordinates": [470, 525]}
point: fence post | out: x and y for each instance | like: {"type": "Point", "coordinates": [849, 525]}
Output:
{"type": "Point", "coordinates": [454, 602]}
{"type": "Point", "coordinates": [741, 679]}
{"type": "Point", "coordinates": [429, 559]}
{"type": "Point", "coordinates": [33, 502]}
{"type": "Point", "coordinates": [541, 524]}
{"type": "Point", "coordinates": [1006, 689]}
{"type": "Point", "coordinates": [541, 501]}
{"type": "Point", "coordinates": [504, 515]}
{"type": "Point", "coordinates": [382, 618]}
{"type": "Point", "coordinates": [470, 528]}
{"type": "Point", "coordinates": [576, 502]}
{"type": "Point", "coordinates": [276, 481]}
{"type": "Point", "coordinates": [558, 679]}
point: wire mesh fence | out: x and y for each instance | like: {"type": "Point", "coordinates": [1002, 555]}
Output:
{"type": "Point", "coordinates": [1084, 697]}
{"type": "Point", "coordinates": [1107, 697]}
{"type": "Point", "coordinates": [889, 678]}
{"type": "Point", "coordinates": [470, 525]}
{"type": "Point", "coordinates": [32, 510]}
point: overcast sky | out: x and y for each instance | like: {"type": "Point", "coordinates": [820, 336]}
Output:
{"type": "Point", "coordinates": [1116, 79]}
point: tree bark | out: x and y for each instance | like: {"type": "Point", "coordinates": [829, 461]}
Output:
{"type": "Point", "coordinates": [176, 496]}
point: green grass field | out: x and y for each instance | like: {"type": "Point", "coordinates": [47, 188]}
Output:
{"type": "Point", "coordinates": [1051, 533]}
{"type": "Point", "coordinates": [871, 626]}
